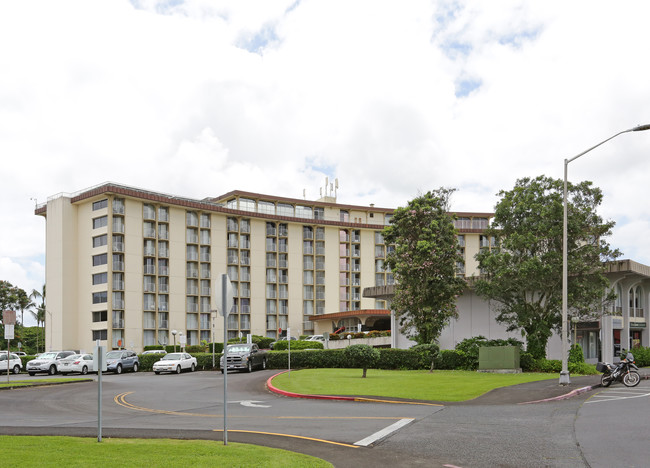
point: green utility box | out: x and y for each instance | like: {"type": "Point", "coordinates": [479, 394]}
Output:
{"type": "Point", "coordinates": [499, 358]}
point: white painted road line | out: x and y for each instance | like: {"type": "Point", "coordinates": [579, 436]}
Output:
{"type": "Point", "coordinates": [384, 432]}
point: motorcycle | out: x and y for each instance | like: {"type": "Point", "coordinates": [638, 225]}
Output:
{"type": "Point", "coordinates": [625, 371]}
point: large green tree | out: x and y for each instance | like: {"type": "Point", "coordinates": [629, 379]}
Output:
{"type": "Point", "coordinates": [424, 263]}
{"type": "Point", "coordinates": [522, 277]}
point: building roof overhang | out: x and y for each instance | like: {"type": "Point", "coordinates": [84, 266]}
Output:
{"type": "Point", "coordinates": [351, 313]}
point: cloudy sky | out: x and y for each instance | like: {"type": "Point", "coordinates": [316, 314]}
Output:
{"type": "Point", "coordinates": [200, 97]}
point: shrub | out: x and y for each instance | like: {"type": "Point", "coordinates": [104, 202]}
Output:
{"type": "Point", "coordinates": [308, 358]}
{"type": "Point", "coordinates": [428, 354]}
{"type": "Point", "coordinates": [362, 356]}
{"type": "Point", "coordinates": [405, 359]}
{"type": "Point", "coordinates": [549, 365]}
{"type": "Point", "coordinates": [582, 368]}
{"type": "Point", "coordinates": [528, 363]}
{"type": "Point", "coordinates": [264, 342]}
{"type": "Point", "coordinates": [641, 356]}
{"type": "Point", "coordinates": [576, 355]}
{"type": "Point", "coordinates": [451, 359]}
{"type": "Point", "coordinates": [297, 345]}
{"type": "Point", "coordinates": [195, 349]}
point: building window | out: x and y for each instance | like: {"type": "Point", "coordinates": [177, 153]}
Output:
{"type": "Point", "coordinates": [102, 221]}
{"type": "Point", "coordinates": [303, 212]}
{"type": "Point", "coordinates": [100, 278]}
{"type": "Point", "coordinates": [100, 335]}
{"type": "Point", "coordinates": [344, 216]}
{"type": "Point", "coordinates": [118, 205]}
{"type": "Point", "coordinates": [246, 204]}
{"type": "Point", "coordinates": [100, 316]}
{"type": "Point", "coordinates": [319, 213]}
{"type": "Point", "coordinates": [100, 297]}
{"type": "Point", "coordinates": [191, 219]}
{"type": "Point", "coordinates": [266, 207]}
{"type": "Point", "coordinates": [285, 209]}
{"type": "Point", "coordinates": [98, 205]}
{"type": "Point", "coordinates": [101, 259]}
{"type": "Point", "coordinates": [148, 211]}
{"type": "Point", "coordinates": [163, 213]}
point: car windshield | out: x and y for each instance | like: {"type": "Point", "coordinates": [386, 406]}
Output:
{"type": "Point", "coordinates": [238, 349]}
{"type": "Point", "coordinates": [47, 356]}
{"type": "Point", "coordinates": [114, 355]}
{"type": "Point", "coordinates": [172, 357]}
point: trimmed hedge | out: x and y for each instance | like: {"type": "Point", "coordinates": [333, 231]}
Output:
{"type": "Point", "coordinates": [297, 345]}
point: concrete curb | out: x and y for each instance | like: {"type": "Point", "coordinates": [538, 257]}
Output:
{"type": "Point", "coordinates": [566, 396]}
{"type": "Point", "coordinates": [274, 389]}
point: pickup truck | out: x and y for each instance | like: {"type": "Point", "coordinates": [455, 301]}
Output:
{"type": "Point", "coordinates": [244, 357]}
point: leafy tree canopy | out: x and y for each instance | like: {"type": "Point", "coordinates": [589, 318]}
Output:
{"type": "Point", "coordinates": [523, 276]}
{"type": "Point", "coordinates": [424, 262]}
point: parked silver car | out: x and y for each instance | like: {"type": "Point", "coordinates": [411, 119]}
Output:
{"type": "Point", "coordinates": [121, 360]}
{"type": "Point", "coordinates": [47, 362]}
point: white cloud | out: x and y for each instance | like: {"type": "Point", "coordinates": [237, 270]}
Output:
{"type": "Point", "coordinates": [201, 97]}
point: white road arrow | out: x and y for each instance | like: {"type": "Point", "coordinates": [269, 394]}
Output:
{"type": "Point", "coordinates": [251, 403]}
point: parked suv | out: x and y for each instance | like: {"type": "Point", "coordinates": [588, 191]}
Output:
{"type": "Point", "coordinates": [15, 364]}
{"type": "Point", "coordinates": [47, 362]}
{"type": "Point", "coordinates": [121, 360]}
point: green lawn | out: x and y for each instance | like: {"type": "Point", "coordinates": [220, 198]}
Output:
{"type": "Point", "coordinates": [418, 385]}
{"type": "Point", "coordinates": [27, 451]}
{"type": "Point", "coordinates": [34, 382]}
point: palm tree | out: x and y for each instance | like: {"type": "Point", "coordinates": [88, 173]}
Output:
{"type": "Point", "coordinates": [39, 315]}
{"type": "Point", "coordinates": [23, 303]}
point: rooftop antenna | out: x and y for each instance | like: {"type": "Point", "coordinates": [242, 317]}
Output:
{"type": "Point", "coordinates": [336, 186]}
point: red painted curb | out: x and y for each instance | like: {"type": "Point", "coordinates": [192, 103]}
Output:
{"type": "Point", "coordinates": [274, 389]}
{"type": "Point", "coordinates": [566, 396]}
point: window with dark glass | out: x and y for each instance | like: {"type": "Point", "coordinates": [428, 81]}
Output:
{"type": "Point", "coordinates": [100, 278]}
{"type": "Point", "coordinates": [100, 297]}
{"type": "Point", "coordinates": [98, 205]}
{"type": "Point", "coordinates": [101, 259]}
{"type": "Point", "coordinates": [100, 240]}
{"type": "Point", "coordinates": [100, 222]}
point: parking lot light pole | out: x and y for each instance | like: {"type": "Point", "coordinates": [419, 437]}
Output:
{"type": "Point", "coordinates": [564, 374]}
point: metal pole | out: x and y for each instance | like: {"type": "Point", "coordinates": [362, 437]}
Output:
{"type": "Point", "coordinates": [224, 304]}
{"type": "Point", "coordinates": [99, 393]}
{"type": "Point", "coordinates": [564, 374]}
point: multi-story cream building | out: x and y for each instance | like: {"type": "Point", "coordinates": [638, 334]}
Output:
{"type": "Point", "coordinates": [128, 266]}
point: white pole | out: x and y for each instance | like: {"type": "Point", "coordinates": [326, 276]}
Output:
{"type": "Point", "coordinates": [564, 374]}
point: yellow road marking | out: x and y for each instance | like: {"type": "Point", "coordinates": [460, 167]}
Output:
{"type": "Point", "coordinates": [290, 435]}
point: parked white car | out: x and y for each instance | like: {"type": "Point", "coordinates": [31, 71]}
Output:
{"type": "Point", "coordinates": [81, 363]}
{"type": "Point", "coordinates": [320, 338]}
{"type": "Point", "coordinates": [14, 365]}
{"type": "Point", "coordinates": [47, 362]}
{"type": "Point", "coordinates": [175, 362]}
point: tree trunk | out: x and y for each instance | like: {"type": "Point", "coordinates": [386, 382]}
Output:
{"type": "Point", "coordinates": [364, 372]}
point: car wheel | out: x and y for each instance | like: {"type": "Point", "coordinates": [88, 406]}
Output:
{"type": "Point", "coordinates": [193, 368]}
{"type": "Point", "coordinates": [118, 369]}
{"type": "Point", "coordinates": [52, 370]}
{"type": "Point", "coordinates": [135, 367]}
{"type": "Point", "coordinates": [178, 369]}
{"type": "Point", "coordinates": [249, 366]}
{"type": "Point", "coordinates": [32, 373]}
{"type": "Point", "coordinates": [263, 364]}
{"type": "Point", "coordinates": [84, 370]}
{"type": "Point", "coordinates": [156, 372]}
{"type": "Point", "coordinates": [16, 369]}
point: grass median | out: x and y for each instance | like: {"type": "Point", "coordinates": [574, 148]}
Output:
{"type": "Point", "coordinates": [416, 385]}
{"type": "Point", "coordinates": [28, 451]}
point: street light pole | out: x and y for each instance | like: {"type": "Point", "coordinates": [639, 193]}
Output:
{"type": "Point", "coordinates": [564, 374]}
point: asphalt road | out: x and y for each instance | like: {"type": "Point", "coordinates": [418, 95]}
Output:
{"type": "Point", "coordinates": [554, 434]}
